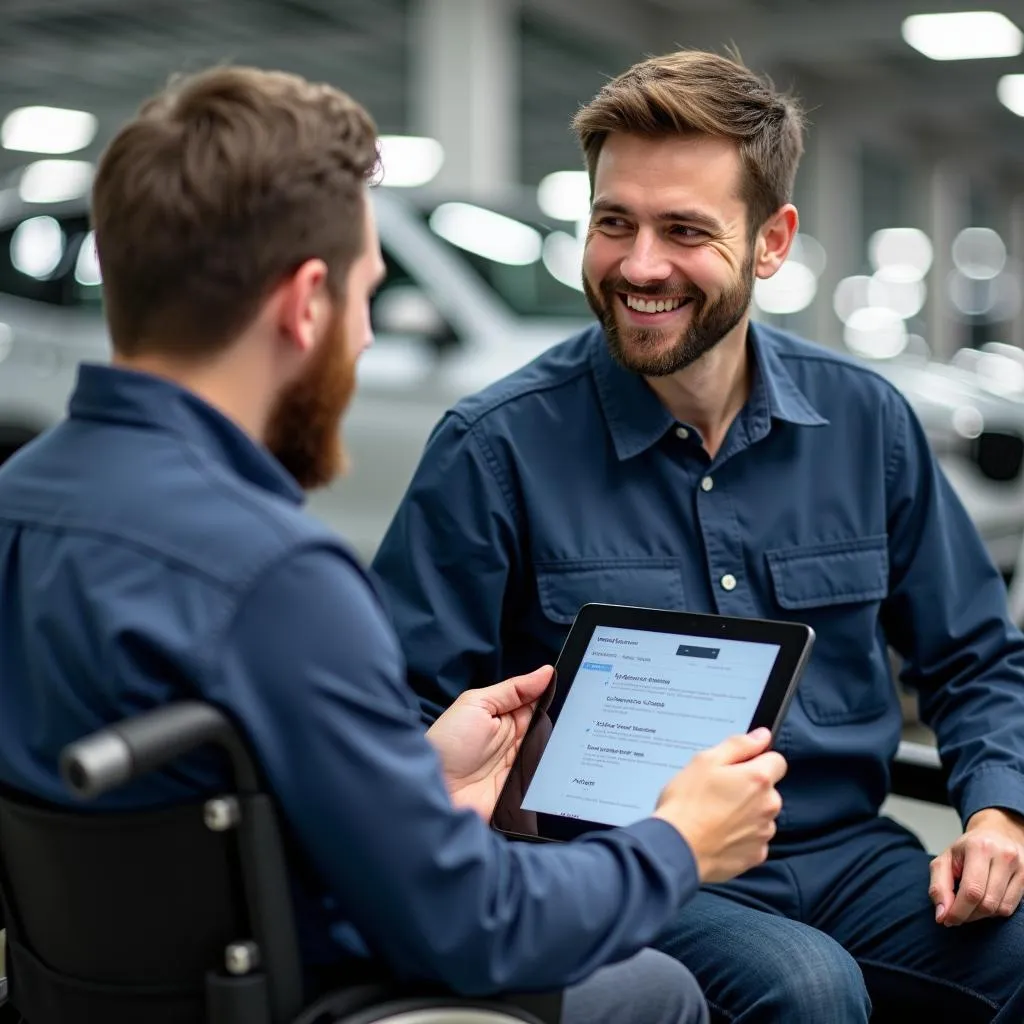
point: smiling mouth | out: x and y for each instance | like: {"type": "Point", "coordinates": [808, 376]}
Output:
{"type": "Point", "coordinates": [638, 304]}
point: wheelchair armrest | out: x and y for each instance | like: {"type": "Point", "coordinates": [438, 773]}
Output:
{"type": "Point", "coordinates": [917, 773]}
{"type": "Point", "coordinates": [134, 746]}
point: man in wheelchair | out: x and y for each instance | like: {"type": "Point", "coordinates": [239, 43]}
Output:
{"type": "Point", "coordinates": [153, 549]}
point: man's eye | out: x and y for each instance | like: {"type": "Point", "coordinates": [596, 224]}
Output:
{"type": "Point", "coordinates": [682, 231]}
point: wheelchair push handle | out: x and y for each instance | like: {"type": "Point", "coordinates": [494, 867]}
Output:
{"type": "Point", "coordinates": [134, 746]}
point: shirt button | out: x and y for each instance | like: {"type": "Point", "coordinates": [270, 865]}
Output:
{"type": "Point", "coordinates": [728, 581]}
{"type": "Point", "coordinates": [682, 433]}
{"type": "Point", "coordinates": [707, 483]}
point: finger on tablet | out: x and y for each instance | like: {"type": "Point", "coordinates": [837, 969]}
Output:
{"type": "Point", "coordinates": [742, 747]}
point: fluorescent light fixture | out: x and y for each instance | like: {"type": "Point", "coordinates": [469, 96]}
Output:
{"type": "Point", "coordinates": [851, 294]}
{"type": "Point", "coordinates": [563, 257]}
{"type": "Point", "coordinates": [1010, 91]}
{"type": "Point", "coordinates": [47, 130]}
{"type": "Point", "coordinates": [875, 333]}
{"type": "Point", "coordinates": [902, 253]}
{"type": "Point", "coordinates": [810, 252]}
{"type": "Point", "coordinates": [409, 160]}
{"type": "Point", "coordinates": [87, 266]}
{"type": "Point", "coordinates": [979, 253]}
{"type": "Point", "coordinates": [55, 181]}
{"type": "Point", "coordinates": [790, 289]}
{"type": "Point", "coordinates": [565, 195]}
{"type": "Point", "coordinates": [963, 35]}
{"type": "Point", "coordinates": [486, 233]}
{"type": "Point", "coordinates": [891, 290]}
{"type": "Point", "coordinates": [37, 247]}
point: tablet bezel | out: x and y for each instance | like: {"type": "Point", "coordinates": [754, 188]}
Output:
{"type": "Point", "coordinates": [794, 640]}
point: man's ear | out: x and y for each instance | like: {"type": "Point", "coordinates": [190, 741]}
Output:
{"type": "Point", "coordinates": [774, 240]}
{"type": "Point", "coordinates": [304, 306]}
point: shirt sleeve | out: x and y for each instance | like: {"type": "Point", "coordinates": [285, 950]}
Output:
{"type": "Point", "coordinates": [446, 565]}
{"type": "Point", "coordinates": [312, 670]}
{"type": "Point", "coordinates": [947, 616]}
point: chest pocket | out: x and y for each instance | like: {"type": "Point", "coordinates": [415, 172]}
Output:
{"type": "Point", "coordinates": [564, 587]}
{"type": "Point", "coordinates": [837, 589]}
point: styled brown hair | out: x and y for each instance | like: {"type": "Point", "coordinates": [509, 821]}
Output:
{"type": "Point", "coordinates": [694, 92]}
{"type": "Point", "coordinates": [223, 184]}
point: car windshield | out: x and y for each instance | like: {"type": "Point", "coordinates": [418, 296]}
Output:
{"type": "Point", "coordinates": [533, 266]}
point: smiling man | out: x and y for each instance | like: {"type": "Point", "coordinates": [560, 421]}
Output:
{"type": "Point", "coordinates": [677, 455]}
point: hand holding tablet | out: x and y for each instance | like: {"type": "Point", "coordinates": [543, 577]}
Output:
{"type": "Point", "coordinates": [638, 694]}
{"type": "Point", "coordinates": [724, 804]}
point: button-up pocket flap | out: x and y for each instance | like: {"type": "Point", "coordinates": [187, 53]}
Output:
{"type": "Point", "coordinates": [843, 572]}
{"type": "Point", "coordinates": [564, 587]}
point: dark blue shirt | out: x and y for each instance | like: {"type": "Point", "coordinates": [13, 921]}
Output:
{"type": "Point", "coordinates": [150, 551]}
{"type": "Point", "coordinates": [569, 482]}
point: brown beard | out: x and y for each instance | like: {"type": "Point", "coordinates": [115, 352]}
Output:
{"type": "Point", "coordinates": [641, 349]}
{"type": "Point", "coordinates": [304, 428]}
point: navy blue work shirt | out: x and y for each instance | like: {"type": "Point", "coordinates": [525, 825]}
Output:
{"type": "Point", "coordinates": [149, 552]}
{"type": "Point", "coordinates": [569, 482]}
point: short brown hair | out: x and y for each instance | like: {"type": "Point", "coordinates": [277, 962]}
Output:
{"type": "Point", "coordinates": [222, 184]}
{"type": "Point", "coordinates": [695, 92]}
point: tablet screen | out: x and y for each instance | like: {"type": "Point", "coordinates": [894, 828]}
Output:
{"type": "Point", "coordinates": [640, 706]}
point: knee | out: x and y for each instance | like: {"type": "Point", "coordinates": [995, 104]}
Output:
{"type": "Point", "coordinates": [667, 993]}
{"type": "Point", "coordinates": [820, 982]}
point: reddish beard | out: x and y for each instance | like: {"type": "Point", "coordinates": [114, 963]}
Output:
{"type": "Point", "coordinates": [303, 430]}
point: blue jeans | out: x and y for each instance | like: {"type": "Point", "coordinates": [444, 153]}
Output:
{"type": "Point", "coordinates": [827, 929]}
{"type": "Point", "coordinates": [649, 988]}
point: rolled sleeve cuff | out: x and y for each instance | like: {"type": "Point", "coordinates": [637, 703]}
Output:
{"type": "Point", "coordinates": [995, 786]}
{"type": "Point", "coordinates": [670, 851]}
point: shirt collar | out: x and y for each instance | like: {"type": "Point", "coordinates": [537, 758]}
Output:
{"type": "Point", "coordinates": [113, 394]}
{"type": "Point", "coordinates": [637, 419]}
{"type": "Point", "coordinates": [786, 402]}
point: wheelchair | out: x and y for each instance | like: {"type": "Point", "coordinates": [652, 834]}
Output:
{"type": "Point", "coordinates": [181, 915]}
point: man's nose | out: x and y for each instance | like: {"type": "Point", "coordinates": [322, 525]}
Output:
{"type": "Point", "coordinates": [647, 260]}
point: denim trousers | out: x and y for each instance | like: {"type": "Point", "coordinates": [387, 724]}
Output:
{"type": "Point", "coordinates": [841, 929]}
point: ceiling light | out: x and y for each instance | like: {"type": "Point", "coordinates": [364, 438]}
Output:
{"type": "Point", "coordinates": [1011, 93]}
{"type": "Point", "coordinates": [903, 253]}
{"type": "Point", "coordinates": [37, 247]}
{"type": "Point", "coordinates": [963, 35]}
{"type": "Point", "coordinates": [563, 257]}
{"type": "Point", "coordinates": [850, 295]}
{"type": "Point", "coordinates": [890, 290]}
{"type": "Point", "coordinates": [55, 181]}
{"type": "Point", "coordinates": [979, 253]}
{"type": "Point", "coordinates": [565, 195]}
{"type": "Point", "coordinates": [409, 160]}
{"type": "Point", "coordinates": [47, 130]}
{"type": "Point", "coordinates": [87, 266]}
{"type": "Point", "coordinates": [808, 251]}
{"type": "Point", "coordinates": [790, 289]}
{"type": "Point", "coordinates": [875, 333]}
{"type": "Point", "coordinates": [486, 233]}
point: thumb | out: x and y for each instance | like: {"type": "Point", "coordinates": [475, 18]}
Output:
{"type": "Point", "coordinates": [940, 886]}
{"type": "Point", "coordinates": [516, 692]}
{"type": "Point", "coordinates": [742, 747]}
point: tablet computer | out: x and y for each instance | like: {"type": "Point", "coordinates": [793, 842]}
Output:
{"type": "Point", "coordinates": [637, 692]}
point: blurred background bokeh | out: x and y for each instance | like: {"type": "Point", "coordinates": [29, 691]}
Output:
{"type": "Point", "coordinates": [911, 196]}
{"type": "Point", "coordinates": [911, 193]}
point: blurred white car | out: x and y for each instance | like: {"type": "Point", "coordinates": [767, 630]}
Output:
{"type": "Point", "coordinates": [473, 292]}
